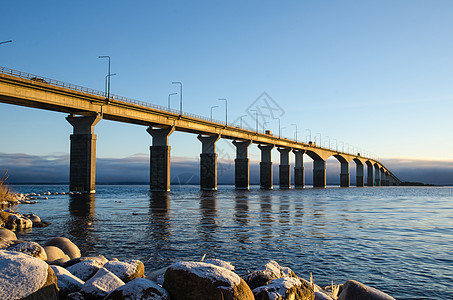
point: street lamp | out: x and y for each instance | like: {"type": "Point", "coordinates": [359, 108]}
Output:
{"type": "Point", "coordinates": [278, 126]}
{"type": "Point", "coordinates": [256, 118]}
{"type": "Point", "coordinates": [212, 107]}
{"type": "Point", "coordinates": [320, 141]}
{"type": "Point", "coordinates": [296, 130]}
{"type": "Point", "coordinates": [328, 147]}
{"type": "Point", "coordinates": [10, 41]}
{"type": "Point", "coordinates": [309, 130]}
{"type": "Point", "coordinates": [108, 76]}
{"type": "Point", "coordinates": [264, 124]}
{"type": "Point", "coordinates": [180, 95]}
{"type": "Point", "coordinates": [281, 130]}
{"type": "Point", "coordinates": [240, 118]}
{"type": "Point", "coordinates": [336, 144]}
{"type": "Point", "coordinates": [169, 95]}
{"type": "Point", "coordinates": [226, 110]}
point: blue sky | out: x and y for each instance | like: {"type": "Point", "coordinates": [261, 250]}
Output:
{"type": "Point", "coordinates": [373, 74]}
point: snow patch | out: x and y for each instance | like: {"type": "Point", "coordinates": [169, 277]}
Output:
{"type": "Point", "coordinates": [210, 271]}
{"type": "Point", "coordinates": [101, 284]}
{"type": "Point", "coordinates": [278, 287]}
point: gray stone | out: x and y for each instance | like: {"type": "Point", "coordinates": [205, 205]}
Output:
{"type": "Point", "coordinates": [67, 283]}
{"type": "Point", "coordinates": [354, 290]}
{"type": "Point", "coordinates": [220, 263]}
{"type": "Point", "coordinates": [17, 222]}
{"type": "Point", "coordinates": [126, 270]}
{"type": "Point", "coordinates": [266, 273]}
{"type": "Point", "coordinates": [7, 235]}
{"type": "Point", "coordinates": [86, 269]}
{"type": "Point", "coordinates": [285, 288]}
{"type": "Point", "coordinates": [66, 245]}
{"type": "Point", "coordinates": [101, 284]}
{"type": "Point", "coordinates": [202, 281]}
{"type": "Point", "coordinates": [30, 248]}
{"type": "Point", "coordinates": [139, 288]}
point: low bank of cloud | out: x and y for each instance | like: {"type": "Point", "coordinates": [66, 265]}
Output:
{"type": "Point", "coordinates": [25, 168]}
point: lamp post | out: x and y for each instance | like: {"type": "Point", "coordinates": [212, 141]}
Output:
{"type": "Point", "coordinates": [296, 130]}
{"type": "Point", "coordinates": [264, 124]}
{"type": "Point", "coordinates": [320, 141]}
{"type": "Point", "coordinates": [108, 76]}
{"type": "Point", "coordinates": [180, 95]}
{"type": "Point", "coordinates": [256, 118]}
{"type": "Point", "coordinates": [281, 130]}
{"type": "Point", "coordinates": [169, 95]}
{"type": "Point", "coordinates": [226, 110]}
{"type": "Point", "coordinates": [342, 146]}
{"type": "Point", "coordinates": [278, 126]}
{"type": "Point", "coordinates": [328, 147]}
{"type": "Point", "coordinates": [10, 41]}
{"type": "Point", "coordinates": [336, 144]}
{"type": "Point", "coordinates": [309, 130]}
{"type": "Point", "coordinates": [212, 107]}
{"type": "Point", "coordinates": [240, 118]}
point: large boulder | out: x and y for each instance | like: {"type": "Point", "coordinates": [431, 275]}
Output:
{"type": "Point", "coordinates": [74, 261]}
{"type": "Point", "coordinates": [354, 290]}
{"type": "Point", "coordinates": [157, 275]}
{"type": "Point", "coordinates": [30, 248]}
{"type": "Point", "coordinates": [7, 235]}
{"type": "Point", "coordinates": [55, 255]}
{"type": "Point", "coordinates": [202, 281]}
{"type": "Point", "coordinates": [285, 288]}
{"type": "Point", "coordinates": [86, 269]}
{"type": "Point", "coordinates": [26, 277]}
{"type": "Point", "coordinates": [127, 270]}
{"type": "Point", "coordinates": [220, 263]}
{"type": "Point", "coordinates": [140, 289]}
{"type": "Point", "coordinates": [32, 217]}
{"type": "Point", "coordinates": [67, 283]}
{"type": "Point", "coordinates": [266, 273]}
{"type": "Point", "coordinates": [18, 222]}
{"type": "Point", "coordinates": [66, 245]}
{"type": "Point", "coordinates": [101, 284]}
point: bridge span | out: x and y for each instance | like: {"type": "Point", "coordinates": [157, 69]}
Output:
{"type": "Point", "coordinates": [86, 107]}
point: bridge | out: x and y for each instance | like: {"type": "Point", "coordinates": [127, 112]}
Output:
{"type": "Point", "coordinates": [86, 107]}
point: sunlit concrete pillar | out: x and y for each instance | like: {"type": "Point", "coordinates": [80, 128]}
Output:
{"type": "Point", "coordinates": [82, 170]}
{"type": "Point", "coordinates": [241, 165]}
{"type": "Point", "coordinates": [359, 175]}
{"type": "Point", "coordinates": [369, 177]}
{"type": "Point", "coordinates": [377, 176]}
{"type": "Point", "coordinates": [319, 173]}
{"type": "Point", "coordinates": [299, 173]}
{"type": "Point", "coordinates": [159, 159]}
{"type": "Point", "coordinates": [208, 162]}
{"type": "Point", "coordinates": [344, 175]}
{"type": "Point", "coordinates": [266, 180]}
{"type": "Point", "coordinates": [284, 168]}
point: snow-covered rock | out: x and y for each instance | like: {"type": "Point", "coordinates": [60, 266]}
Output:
{"type": "Point", "coordinates": [25, 276]}
{"type": "Point", "coordinates": [55, 254]}
{"type": "Point", "coordinates": [199, 280]}
{"type": "Point", "coordinates": [86, 269]}
{"type": "Point", "coordinates": [355, 290]}
{"type": "Point", "coordinates": [285, 288]}
{"type": "Point", "coordinates": [157, 275]}
{"type": "Point", "coordinates": [30, 248]}
{"type": "Point", "coordinates": [101, 284]}
{"type": "Point", "coordinates": [264, 274]}
{"type": "Point", "coordinates": [220, 263]}
{"type": "Point", "coordinates": [322, 296]}
{"type": "Point", "coordinates": [32, 217]}
{"type": "Point", "coordinates": [67, 283]}
{"type": "Point", "coordinates": [17, 222]}
{"type": "Point", "coordinates": [66, 245]}
{"type": "Point", "coordinates": [7, 235]}
{"type": "Point", "coordinates": [126, 270]}
{"type": "Point", "coordinates": [139, 288]}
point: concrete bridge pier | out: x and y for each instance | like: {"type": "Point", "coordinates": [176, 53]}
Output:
{"type": "Point", "coordinates": [344, 175]}
{"type": "Point", "coordinates": [82, 166]}
{"type": "Point", "coordinates": [377, 175]}
{"type": "Point", "coordinates": [241, 165]}
{"type": "Point", "coordinates": [208, 162]}
{"type": "Point", "coordinates": [299, 172]}
{"type": "Point", "coordinates": [369, 177]}
{"type": "Point", "coordinates": [159, 159]}
{"type": "Point", "coordinates": [266, 180]}
{"type": "Point", "coordinates": [319, 173]}
{"type": "Point", "coordinates": [284, 168]}
{"type": "Point", "coordinates": [359, 175]}
{"type": "Point", "coordinates": [383, 178]}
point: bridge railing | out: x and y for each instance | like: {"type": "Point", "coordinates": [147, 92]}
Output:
{"type": "Point", "coordinates": [86, 90]}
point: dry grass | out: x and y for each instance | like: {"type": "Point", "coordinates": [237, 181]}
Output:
{"type": "Point", "coordinates": [5, 191]}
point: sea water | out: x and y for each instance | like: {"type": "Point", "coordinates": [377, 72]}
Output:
{"type": "Point", "coordinates": [396, 239]}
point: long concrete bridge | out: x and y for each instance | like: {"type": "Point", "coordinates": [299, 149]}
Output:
{"type": "Point", "coordinates": [86, 107]}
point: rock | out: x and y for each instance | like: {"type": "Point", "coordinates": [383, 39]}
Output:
{"type": "Point", "coordinates": [74, 261]}
{"type": "Point", "coordinates": [101, 284]}
{"type": "Point", "coordinates": [32, 217]}
{"type": "Point", "coordinates": [39, 282]}
{"type": "Point", "coordinates": [321, 296]}
{"type": "Point", "coordinates": [75, 296]}
{"type": "Point", "coordinates": [139, 288]}
{"type": "Point", "coordinates": [86, 269]}
{"type": "Point", "coordinates": [127, 270]}
{"type": "Point", "coordinates": [220, 263]}
{"type": "Point", "coordinates": [158, 275]}
{"type": "Point", "coordinates": [67, 283]}
{"type": "Point", "coordinates": [354, 290]}
{"type": "Point", "coordinates": [54, 253]}
{"type": "Point", "coordinates": [66, 245]}
{"type": "Point", "coordinates": [7, 235]}
{"type": "Point", "coordinates": [30, 248]}
{"type": "Point", "coordinates": [17, 222]}
{"type": "Point", "coordinates": [285, 288]}
{"type": "Point", "coordinates": [266, 273]}
{"type": "Point", "coordinates": [199, 280]}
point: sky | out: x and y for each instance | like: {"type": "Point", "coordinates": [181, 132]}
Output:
{"type": "Point", "coordinates": [373, 75]}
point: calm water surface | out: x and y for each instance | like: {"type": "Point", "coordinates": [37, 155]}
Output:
{"type": "Point", "coordinates": [397, 239]}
